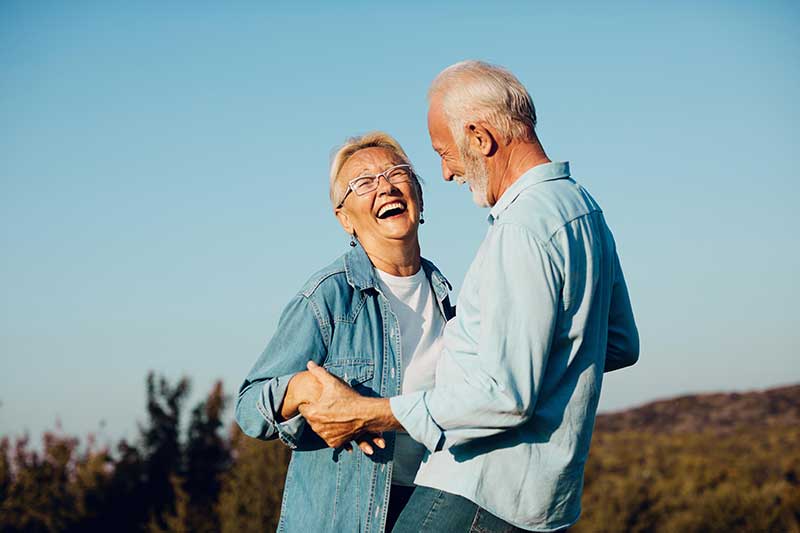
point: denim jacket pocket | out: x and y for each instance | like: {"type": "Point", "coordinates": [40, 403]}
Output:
{"type": "Point", "coordinates": [358, 374]}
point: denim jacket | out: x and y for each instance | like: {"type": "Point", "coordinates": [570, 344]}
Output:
{"type": "Point", "coordinates": [340, 320]}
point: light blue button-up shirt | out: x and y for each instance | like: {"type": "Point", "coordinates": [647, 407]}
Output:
{"type": "Point", "coordinates": [542, 312]}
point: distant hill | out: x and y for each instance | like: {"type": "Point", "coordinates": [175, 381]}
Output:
{"type": "Point", "coordinates": [697, 464]}
{"type": "Point", "coordinates": [718, 413]}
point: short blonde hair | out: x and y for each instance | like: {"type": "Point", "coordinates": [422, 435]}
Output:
{"type": "Point", "coordinates": [374, 139]}
{"type": "Point", "coordinates": [475, 90]}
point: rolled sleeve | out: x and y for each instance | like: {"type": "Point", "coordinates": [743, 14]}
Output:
{"type": "Point", "coordinates": [269, 405]}
{"type": "Point", "coordinates": [412, 413]}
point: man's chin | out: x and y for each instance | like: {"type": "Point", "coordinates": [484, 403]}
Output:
{"type": "Point", "coordinates": [479, 197]}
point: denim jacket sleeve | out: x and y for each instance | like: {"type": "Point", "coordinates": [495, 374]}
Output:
{"type": "Point", "coordinates": [298, 339]}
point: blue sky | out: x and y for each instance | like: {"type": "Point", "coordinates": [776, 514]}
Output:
{"type": "Point", "coordinates": [163, 179]}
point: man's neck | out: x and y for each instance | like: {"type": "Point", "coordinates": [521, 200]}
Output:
{"type": "Point", "coordinates": [520, 158]}
{"type": "Point", "coordinates": [397, 259]}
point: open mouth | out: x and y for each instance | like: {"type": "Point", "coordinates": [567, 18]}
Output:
{"type": "Point", "coordinates": [391, 210]}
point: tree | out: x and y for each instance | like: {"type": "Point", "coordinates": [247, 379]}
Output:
{"type": "Point", "coordinates": [207, 458]}
{"type": "Point", "coordinates": [252, 488]}
{"type": "Point", "coordinates": [160, 442]}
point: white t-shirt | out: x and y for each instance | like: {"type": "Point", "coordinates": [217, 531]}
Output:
{"type": "Point", "coordinates": [421, 325]}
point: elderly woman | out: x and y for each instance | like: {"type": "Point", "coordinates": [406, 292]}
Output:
{"type": "Point", "coordinates": [374, 318]}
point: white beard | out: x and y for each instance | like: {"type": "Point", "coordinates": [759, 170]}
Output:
{"type": "Point", "coordinates": [476, 174]}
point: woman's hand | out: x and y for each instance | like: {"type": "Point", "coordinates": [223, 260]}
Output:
{"type": "Point", "coordinates": [303, 388]}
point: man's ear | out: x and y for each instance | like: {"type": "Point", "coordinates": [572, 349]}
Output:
{"type": "Point", "coordinates": [344, 220]}
{"type": "Point", "coordinates": [481, 139]}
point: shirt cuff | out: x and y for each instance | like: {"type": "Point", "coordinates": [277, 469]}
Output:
{"type": "Point", "coordinates": [412, 413]}
{"type": "Point", "coordinates": [272, 394]}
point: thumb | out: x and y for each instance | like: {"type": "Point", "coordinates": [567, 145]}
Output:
{"type": "Point", "coordinates": [318, 372]}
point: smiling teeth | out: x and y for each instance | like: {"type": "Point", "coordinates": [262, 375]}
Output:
{"type": "Point", "coordinates": [395, 205]}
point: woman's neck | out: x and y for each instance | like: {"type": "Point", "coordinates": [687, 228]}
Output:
{"type": "Point", "coordinates": [395, 259]}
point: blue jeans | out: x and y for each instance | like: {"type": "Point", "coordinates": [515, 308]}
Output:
{"type": "Point", "coordinates": [432, 510]}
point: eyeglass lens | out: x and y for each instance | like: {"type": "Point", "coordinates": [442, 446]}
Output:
{"type": "Point", "coordinates": [366, 184]}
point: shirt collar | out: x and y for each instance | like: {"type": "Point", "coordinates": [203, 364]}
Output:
{"type": "Point", "coordinates": [538, 174]}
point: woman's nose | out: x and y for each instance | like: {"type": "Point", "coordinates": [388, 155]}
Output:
{"type": "Point", "coordinates": [384, 186]}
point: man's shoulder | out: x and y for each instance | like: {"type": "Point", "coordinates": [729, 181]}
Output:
{"type": "Point", "coordinates": [545, 208]}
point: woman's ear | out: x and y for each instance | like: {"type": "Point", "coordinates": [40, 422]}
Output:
{"type": "Point", "coordinates": [344, 220]}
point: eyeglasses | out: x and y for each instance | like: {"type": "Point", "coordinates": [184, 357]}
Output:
{"type": "Point", "coordinates": [369, 182]}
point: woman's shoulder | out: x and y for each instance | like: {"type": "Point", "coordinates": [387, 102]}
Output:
{"type": "Point", "coordinates": [331, 277]}
{"type": "Point", "coordinates": [353, 271]}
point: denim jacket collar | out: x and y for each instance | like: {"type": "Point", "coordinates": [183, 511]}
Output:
{"type": "Point", "coordinates": [358, 269]}
{"type": "Point", "coordinates": [361, 275]}
{"type": "Point", "coordinates": [441, 286]}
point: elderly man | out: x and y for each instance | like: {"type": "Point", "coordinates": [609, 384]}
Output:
{"type": "Point", "coordinates": [542, 312]}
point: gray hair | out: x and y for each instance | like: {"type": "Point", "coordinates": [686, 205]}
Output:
{"type": "Point", "coordinates": [374, 139]}
{"type": "Point", "coordinates": [475, 90]}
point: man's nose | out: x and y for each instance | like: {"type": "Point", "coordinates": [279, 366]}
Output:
{"type": "Point", "coordinates": [447, 174]}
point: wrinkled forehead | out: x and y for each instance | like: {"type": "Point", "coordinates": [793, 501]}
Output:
{"type": "Point", "coordinates": [370, 160]}
{"type": "Point", "coordinates": [438, 125]}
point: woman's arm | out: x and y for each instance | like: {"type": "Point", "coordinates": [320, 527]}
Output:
{"type": "Point", "coordinates": [299, 338]}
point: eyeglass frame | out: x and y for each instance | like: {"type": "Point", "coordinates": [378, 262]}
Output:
{"type": "Point", "coordinates": [377, 178]}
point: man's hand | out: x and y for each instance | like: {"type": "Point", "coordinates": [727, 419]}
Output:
{"type": "Point", "coordinates": [340, 414]}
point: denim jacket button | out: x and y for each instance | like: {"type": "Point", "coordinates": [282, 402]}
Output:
{"type": "Point", "coordinates": [392, 371]}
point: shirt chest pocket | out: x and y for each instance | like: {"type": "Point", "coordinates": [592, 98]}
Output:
{"type": "Point", "coordinates": [359, 374]}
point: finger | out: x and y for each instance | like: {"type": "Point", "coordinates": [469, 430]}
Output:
{"type": "Point", "coordinates": [376, 439]}
{"type": "Point", "coordinates": [306, 410]}
{"type": "Point", "coordinates": [365, 447]}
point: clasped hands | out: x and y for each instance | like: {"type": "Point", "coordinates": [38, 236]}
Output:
{"type": "Point", "coordinates": [336, 412]}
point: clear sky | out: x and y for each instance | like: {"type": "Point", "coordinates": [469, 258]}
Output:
{"type": "Point", "coordinates": [163, 188]}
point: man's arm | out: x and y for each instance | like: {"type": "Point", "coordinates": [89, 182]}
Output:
{"type": "Point", "coordinates": [520, 293]}
{"type": "Point", "coordinates": [623, 337]}
{"type": "Point", "coordinates": [519, 300]}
